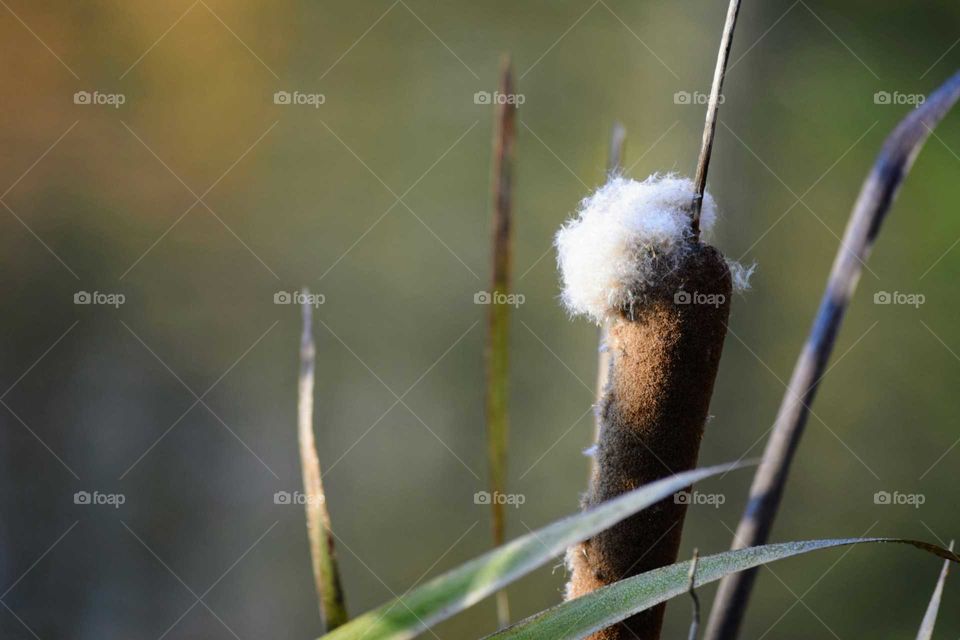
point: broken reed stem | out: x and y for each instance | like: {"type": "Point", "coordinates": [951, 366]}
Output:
{"type": "Point", "coordinates": [499, 315]}
{"type": "Point", "coordinates": [326, 574]}
{"type": "Point", "coordinates": [618, 144]}
{"type": "Point", "coordinates": [713, 107]}
{"type": "Point", "coordinates": [872, 205]}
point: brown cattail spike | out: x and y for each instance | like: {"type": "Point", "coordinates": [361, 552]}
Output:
{"type": "Point", "coordinates": [665, 353]}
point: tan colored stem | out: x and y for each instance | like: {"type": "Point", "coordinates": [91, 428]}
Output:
{"type": "Point", "coordinates": [326, 574]}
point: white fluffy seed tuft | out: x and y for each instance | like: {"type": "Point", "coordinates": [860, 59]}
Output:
{"type": "Point", "coordinates": [622, 239]}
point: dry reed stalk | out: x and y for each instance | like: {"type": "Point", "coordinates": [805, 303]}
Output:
{"type": "Point", "coordinates": [326, 574]}
{"type": "Point", "coordinates": [499, 315]}
{"type": "Point", "coordinates": [618, 143]}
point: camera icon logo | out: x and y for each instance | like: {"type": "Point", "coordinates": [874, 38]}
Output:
{"type": "Point", "coordinates": [482, 97]}
{"type": "Point", "coordinates": [682, 97]}
{"type": "Point", "coordinates": [882, 497]}
{"type": "Point", "coordinates": [682, 497]}
{"type": "Point", "coordinates": [882, 97]}
{"type": "Point", "coordinates": [82, 297]}
{"type": "Point", "coordinates": [81, 497]}
{"type": "Point", "coordinates": [482, 297]}
{"type": "Point", "coordinates": [681, 297]}
{"type": "Point", "coordinates": [481, 497]}
{"type": "Point", "coordinates": [882, 297]}
{"type": "Point", "coordinates": [282, 97]}
{"type": "Point", "coordinates": [282, 297]}
{"type": "Point", "coordinates": [82, 97]}
{"type": "Point", "coordinates": [282, 497]}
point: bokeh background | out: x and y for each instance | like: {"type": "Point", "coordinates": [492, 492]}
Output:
{"type": "Point", "coordinates": [199, 198]}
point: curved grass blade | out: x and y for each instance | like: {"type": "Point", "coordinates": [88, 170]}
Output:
{"type": "Point", "coordinates": [930, 617]}
{"type": "Point", "coordinates": [606, 606]}
{"type": "Point", "coordinates": [873, 204]}
{"type": "Point", "coordinates": [461, 588]}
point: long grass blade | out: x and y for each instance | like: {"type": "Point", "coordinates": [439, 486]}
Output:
{"type": "Point", "coordinates": [326, 574]}
{"type": "Point", "coordinates": [608, 605]}
{"type": "Point", "coordinates": [461, 588]}
{"type": "Point", "coordinates": [874, 202]}
{"type": "Point", "coordinates": [499, 316]}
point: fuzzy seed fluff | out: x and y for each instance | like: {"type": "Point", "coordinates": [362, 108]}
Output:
{"type": "Point", "coordinates": [624, 238]}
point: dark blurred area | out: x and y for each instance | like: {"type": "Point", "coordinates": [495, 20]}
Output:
{"type": "Point", "coordinates": [147, 154]}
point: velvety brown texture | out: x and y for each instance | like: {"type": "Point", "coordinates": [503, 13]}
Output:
{"type": "Point", "coordinates": [665, 360]}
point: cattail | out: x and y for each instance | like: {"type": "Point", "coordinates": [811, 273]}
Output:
{"type": "Point", "coordinates": [631, 258]}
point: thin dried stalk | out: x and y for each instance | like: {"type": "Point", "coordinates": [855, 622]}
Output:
{"type": "Point", "coordinates": [618, 143]}
{"type": "Point", "coordinates": [713, 107]}
{"type": "Point", "coordinates": [692, 590]}
{"type": "Point", "coordinates": [499, 315]}
{"type": "Point", "coordinates": [873, 203]}
{"type": "Point", "coordinates": [333, 611]}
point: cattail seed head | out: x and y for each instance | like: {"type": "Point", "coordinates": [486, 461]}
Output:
{"type": "Point", "coordinates": [630, 257]}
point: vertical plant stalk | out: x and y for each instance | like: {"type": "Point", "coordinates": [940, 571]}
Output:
{"type": "Point", "coordinates": [872, 205]}
{"type": "Point", "coordinates": [930, 617]}
{"type": "Point", "coordinates": [692, 590]}
{"type": "Point", "coordinates": [713, 108]}
{"type": "Point", "coordinates": [326, 574]}
{"type": "Point", "coordinates": [618, 143]}
{"type": "Point", "coordinates": [499, 315]}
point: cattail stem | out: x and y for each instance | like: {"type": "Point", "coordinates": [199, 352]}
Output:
{"type": "Point", "coordinates": [326, 574]}
{"type": "Point", "coordinates": [499, 315]}
{"type": "Point", "coordinates": [665, 357]}
{"type": "Point", "coordinates": [713, 107]}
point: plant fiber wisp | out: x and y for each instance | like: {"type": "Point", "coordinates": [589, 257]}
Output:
{"type": "Point", "coordinates": [632, 258]}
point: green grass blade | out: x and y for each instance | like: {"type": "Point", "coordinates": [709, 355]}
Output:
{"type": "Point", "coordinates": [930, 618]}
{"type": "Point", "coordinates": [609, 605]}
{"type": "Point", "coordinates": [498, 343]}
{"type": "Point", "coordinates": [456, 590]}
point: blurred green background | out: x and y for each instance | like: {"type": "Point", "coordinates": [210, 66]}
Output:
{"type": "Point", "coordinates": [107, 199]}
